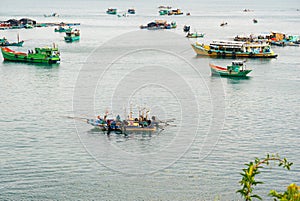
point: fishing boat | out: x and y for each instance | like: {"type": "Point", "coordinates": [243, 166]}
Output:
{"type": "Point", "coordinates": [186, 28]}
{"type": "Point", "coordinates": [159, 24]}
{"type": "Point", "coordinates": [255, 21]}
{"type": "Point", "coordinates": [130, 124]}
{"type": "Point", "coordinates": [131, 11]}
{"type": "Point", "coordinates": [111, 11]}
{"type": "Point", "coordinates": [62, 29]}
{"type": "Point", "coordinates": [165, 7]}
{"type": "Point", "coordinates": [72, 35]}
{"type": "Point", "coordinates": [223, 24]}
{"type": "Point", "coordinates": [195, 35]}
{"type": "Point", "coordinates": [4, 42]}
{"type": "Point", "coordinates": [236, 69]}
{"type": "Point", "coordinates": [164, 12]}
{"type": "Point", "coordinates": [52, 15]}
{"type": "Point", "coordinates": [175, 12]}
{"type": "Point", "coordinates": [38, 55]}
{"type": "Point", "coordinates": [234, 49]}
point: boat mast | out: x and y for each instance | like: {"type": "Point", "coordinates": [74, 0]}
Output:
{"type": "Point", "coordinates": [130, 114]}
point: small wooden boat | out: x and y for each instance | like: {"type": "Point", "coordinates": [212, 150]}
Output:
{"type": "Point", "coordinates": [4, 42]}
{"type": "Point", "coordinates": [130, 124]}
{"type": "Point", "coordinates": [111, 11]}
{"type": "Point", "coordinates": [164, 12]}
{"type": "Point", "coordinates": [72, 35]}
{"type": "Point", "coordinates": [175, 12]}
{"type": "Point", "coordinates": [39, 55]}
{"type": "Point", "coordinates": [165, 7]}
{"type": "Point", "coordinates": [236, 69]}
{"type": "Point", "coordinates": [255, 21]}
{"type": "Point", "coordinates": [195, 35]}
{"type": "Point", "coordinates": [223, 24]}
{"type": "Point", "coordinates": [52, 15]}
{"type": "Point", "coordinates": [186, 28]}
{"type": "Point", "coordinates": [131, 11]}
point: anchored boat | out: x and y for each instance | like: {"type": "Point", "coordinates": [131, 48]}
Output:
{"type": "Point", "coordinates": [236, 69]}
{"type": "Point", "coordinates": [4, 42]}
{"type": "Point", "coordinates": [62, 29]}
{"type": "Point", "coordinates": [72, 35]}
{"type": "Point", "coordinates": [195, 35]}
{"type": "Point", "coordinates": [38, 55]}
{"type": "Point", "coordinates": [111, 11]}
{"type": "Point", "coordinates": [235, 49]}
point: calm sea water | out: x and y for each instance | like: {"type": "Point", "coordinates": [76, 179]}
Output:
{"type": "Point", "coordinates": [221, 123]}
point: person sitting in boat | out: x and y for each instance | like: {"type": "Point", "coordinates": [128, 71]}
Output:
{"type": "Point", "coordinates": [118, 118]}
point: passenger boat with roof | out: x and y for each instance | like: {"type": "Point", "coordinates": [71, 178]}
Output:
{"type": "Point", "coordinates": [234, 49]}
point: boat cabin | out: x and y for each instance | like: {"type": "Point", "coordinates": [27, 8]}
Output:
{"type": "Point", "coordinates": [236, 66]}
{"type": "Point", "coordinates": [237, 46]}
{"type": "Point", "coordinates": [47, 51]}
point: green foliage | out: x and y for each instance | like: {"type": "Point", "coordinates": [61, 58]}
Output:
{"type": "Point", "coordinates": [291, 194]}
{"type": "Point", "coordinates": [253, 168]}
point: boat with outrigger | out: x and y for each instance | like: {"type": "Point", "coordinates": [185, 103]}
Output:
{"type": "Point", "coordinates": [141, 123]}
{"type": "Point", "coordinates": [49, 55]}
{"type": "Point", "coordinates": [236, 69]}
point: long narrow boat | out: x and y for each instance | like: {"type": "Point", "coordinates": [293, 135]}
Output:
{"type": "Point", "coordinates": [195, 35]}
{"type": "Point", "coordinates": [39, 55]}
{"type": "Point", "coordinates": [236, 69]}
{"type": "Point", "coordinates": [234, 49]}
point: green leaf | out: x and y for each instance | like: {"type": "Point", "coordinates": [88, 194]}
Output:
{"type": "Point", "coordinates": [256, 196]}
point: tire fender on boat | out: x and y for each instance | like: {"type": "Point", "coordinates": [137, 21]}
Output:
{"type": "Point", "coordinates": [209, 52]}
{"type": "Point", "coordinates": [251, 54]}
{"type": "Point", "coordinates": [16, 56]}
{"type": "Point", "coordinates": [223, 54]}
{"type": "Point", "coordinates": [219, 53]}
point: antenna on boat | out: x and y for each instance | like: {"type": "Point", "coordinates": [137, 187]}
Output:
{"type": "Point", "coordinates": [125, 112]}
{"type": "Point", "coordinates": [18, 36]}
{"type": "Point", "coordinates": [130, 114]}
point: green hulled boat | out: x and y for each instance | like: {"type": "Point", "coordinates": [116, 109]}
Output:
{"type": "Point", "coordinates": [38, 55]}
{"type": "Point", "coordinates": [72, 35]}
{"type": "Point", "coordinates": [236, 69]}
{"type": "Point", "coordinates": [62, 29]}
{"type": "Point", "coordinates": [111, 11]}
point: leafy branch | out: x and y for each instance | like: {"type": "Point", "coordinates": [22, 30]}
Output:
{"type": "Point", "coordinates": [248, 180]}
{"type": "Point", "coordinates": [291, 194]}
